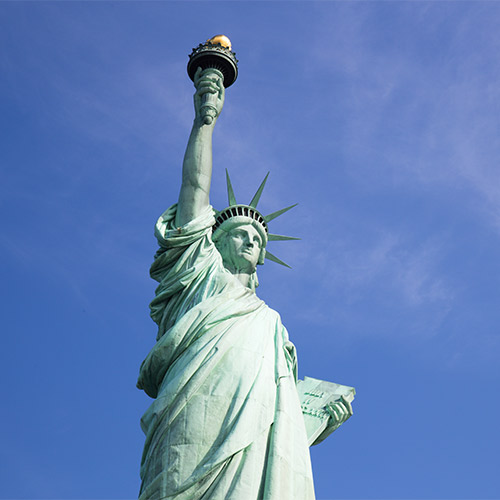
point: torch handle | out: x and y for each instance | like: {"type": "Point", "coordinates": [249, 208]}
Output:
{"type": "Point", "coordinates": [208, 108]}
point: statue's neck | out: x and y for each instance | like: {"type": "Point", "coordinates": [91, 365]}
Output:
{"type": "Point", "coordinates": [244, 277]}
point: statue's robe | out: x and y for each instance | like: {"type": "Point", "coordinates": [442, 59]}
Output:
{"type": "Point", "coordinates": [226, 421]}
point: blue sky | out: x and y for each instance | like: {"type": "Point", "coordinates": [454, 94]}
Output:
{"type": "Point", "coordinates": [381, 119]}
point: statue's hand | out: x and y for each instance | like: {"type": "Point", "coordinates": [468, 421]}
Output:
{"type": "Point", "coordinates": [339, 412]}
{"type": "Point", "coordinates": [209, 94]}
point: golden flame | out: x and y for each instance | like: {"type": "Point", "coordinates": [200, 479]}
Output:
{"type": "Point", "coordinates": [222, 39]}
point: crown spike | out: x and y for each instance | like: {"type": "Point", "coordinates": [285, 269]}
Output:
{"type": "Point", "coordinates": [279, 237]}
{"type": "Point", "coordinates": [257, 195]}
{"type": "Point", "coordinates": [230, 193]}
{"type": "Point", "coordinates": [272, 257]}
{"type": "Point", "coordinates": [272, 216]}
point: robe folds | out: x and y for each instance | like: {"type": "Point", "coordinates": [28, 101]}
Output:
{"type": "Point", "coordinates": [226, 421]}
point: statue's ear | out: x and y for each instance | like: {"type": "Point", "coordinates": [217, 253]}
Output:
{"type": "Point", "coordinates": [262, 256]}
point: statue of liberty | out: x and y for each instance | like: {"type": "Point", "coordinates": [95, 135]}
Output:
{"type": "Point", "coordinates": [226, 421]}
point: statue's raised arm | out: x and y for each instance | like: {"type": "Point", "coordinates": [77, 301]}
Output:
{"type": "Point", "coordinates": [197, 165]}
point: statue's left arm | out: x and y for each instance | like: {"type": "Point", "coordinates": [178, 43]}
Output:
{"type": "Point", "coordinates": [339, 412]}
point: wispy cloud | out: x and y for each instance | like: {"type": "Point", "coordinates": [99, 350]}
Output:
{"type": "Point", "coordinates": [425, 119]}
{"type": "Point", "coordinates": [390, 278]}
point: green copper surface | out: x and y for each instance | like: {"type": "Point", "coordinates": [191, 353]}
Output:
{"type": "Point", "coordinates": [273, 216]}
{"type": "Point", "coordinates": [231, 199]}
{"type": "Point", "coordinates": [258, 194]}
{"type": "Point", "coordinates": [227, 420]}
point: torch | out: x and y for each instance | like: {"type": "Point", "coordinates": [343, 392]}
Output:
{"type": "Point", "coordinates": [217, 55]}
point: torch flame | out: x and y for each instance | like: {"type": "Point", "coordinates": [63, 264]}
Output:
{"type": "Point", "coordinates": [222, 39]}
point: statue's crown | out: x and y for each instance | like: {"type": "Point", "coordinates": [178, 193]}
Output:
{"type": "Point", "coordinates": [237, 213]}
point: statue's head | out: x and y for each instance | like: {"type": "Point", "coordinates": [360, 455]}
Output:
{"type": "Point", "coordinates": [242, 245]}
{"type": "Point", "coordinates": [240, 233]}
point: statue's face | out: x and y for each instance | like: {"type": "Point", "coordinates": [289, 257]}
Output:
{"type": "Point", "coordinates": [242, 249]}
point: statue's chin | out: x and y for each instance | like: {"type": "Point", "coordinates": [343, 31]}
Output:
{"type": "Point", "coordinates": [239, 264]}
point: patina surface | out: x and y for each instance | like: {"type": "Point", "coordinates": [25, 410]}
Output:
{"type": "Point", "coordinates": [226, 421]}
